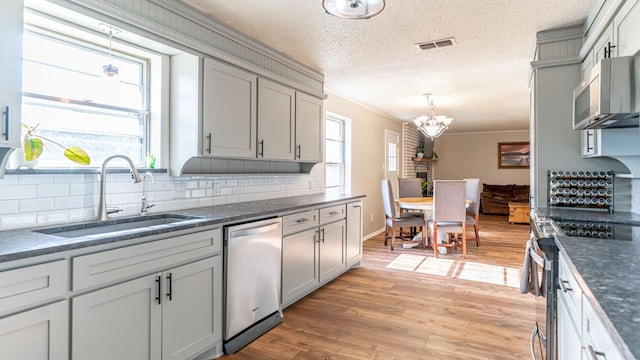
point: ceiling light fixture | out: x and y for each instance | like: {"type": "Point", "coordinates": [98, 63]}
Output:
{"type": "Point", "coordinates": [432, 125]}
{"type": "Point", "coordinates": [353, 9]}
{"type": "Point", "coordinates": [109, 70]}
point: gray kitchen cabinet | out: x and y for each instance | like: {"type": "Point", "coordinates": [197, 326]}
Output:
{"type": "Point", "coordinates": [569, 312]}
{"type": "Point", "coordinates": [626, 26]}
{"type": "Point", "coordinates": [168, 292]}
{"type": "Point", "coordinates": [609, 142]}
{"type": "Point", "coordinates": [34, 317]}
{"type": "Point", "coordinates": [596, 340]}
{"type": "Point", "coordinates": [605, 47]}
{"type": "Point", "coordinates": [276, 121]}
{"type": "Point", "coordinates": [313, 251]}
{"type": "Point", "coordinates": [38, 334]}
{"type": "Point", "coordinates": [229, 119]}
{"type": "Point", "coordinates": [175, 314]}
{"type": "Point", "coordinates": [11, 74]}
{"type": "Point", "coordinates": [309, 121]}
{"type": "Point", "coordinates": [354, 233]}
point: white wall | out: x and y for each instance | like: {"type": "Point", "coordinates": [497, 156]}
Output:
{"type": "Point", "coordinates": [475, 155]}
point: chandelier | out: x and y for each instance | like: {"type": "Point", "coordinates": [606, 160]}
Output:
{"type": "Point", "coordinates": [432, 125]}
{"type": "Point", "coordinates": [109, 70]}
{"type": "Point", "coordinates": [353, 9]}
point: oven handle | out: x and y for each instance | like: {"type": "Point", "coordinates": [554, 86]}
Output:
{"type": "Point", "coordinates": [539, 260]}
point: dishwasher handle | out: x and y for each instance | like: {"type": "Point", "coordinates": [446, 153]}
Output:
{"type": "Point", "coordinates": [253, 231]}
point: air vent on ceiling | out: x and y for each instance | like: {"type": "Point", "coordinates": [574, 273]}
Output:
{"type": "Point", "coordinates": [436, 44]}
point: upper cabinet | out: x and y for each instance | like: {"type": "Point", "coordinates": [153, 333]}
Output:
{"type": "Point", "coordinates": [276, 122]}
{"type": "Point", "coordinates": [626, 26]}
{"type": "Point", "coordinates": [309, 120]}
{"type": "Point", "coordinates": [248, 117]}
{"type": "Point", "coordinates": [229, 111]}
{"type": "Point", "coordinates": [11, 74]}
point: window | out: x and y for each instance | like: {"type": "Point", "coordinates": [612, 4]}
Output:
{"type": "Point", "coordinates": [335, 147]}
{"type": "Point", "coordinates": [66, 96]}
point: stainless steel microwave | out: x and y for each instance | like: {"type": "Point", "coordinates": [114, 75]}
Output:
{"type": "Point", "coordinates": [607, 98]}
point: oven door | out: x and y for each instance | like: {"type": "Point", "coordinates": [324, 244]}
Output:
{"type": "Point", "coordinates": [544, 332]}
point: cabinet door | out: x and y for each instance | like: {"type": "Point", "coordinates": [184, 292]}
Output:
{"type": "Point", "coordinates": [626, 28]}
{"type": "Point", "coordinates": [604, 47]}
{"type": "Point", "coordinates": [192, 308]}
{"type": "Point", "coordinates": [38, 334]}
{"type": "Point", "coordinates": [275, 121]}
{"type": "Point", "coordinates": [589, 143]}
{"type": "Point", "coordinates": [299, 265]}
{"type": "Point", "coordinates": [309, 120]}
{"type": "Point", "coordinates": [11, 74]}
{"type": "Point", "coordinates": [331, 253]}
{"type": "Point", "coordinates": [119, 322]}
{"type": "Point", "coordinates": [569, 343]}
{"type": "Point", "coordinates": [229, 111]}
{"type": "Point", "coordinates": [354, 233]}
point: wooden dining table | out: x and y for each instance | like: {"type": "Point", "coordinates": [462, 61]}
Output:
{"type": "Point", "coordinates": [424, 204]}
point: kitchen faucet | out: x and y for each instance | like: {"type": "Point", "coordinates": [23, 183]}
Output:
{"type": "Point", "coordinates": [143, 209]}
{"type": "Point", "coordinates": [102, 203]}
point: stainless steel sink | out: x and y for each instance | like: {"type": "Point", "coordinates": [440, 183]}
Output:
{"type": "Point", "coordinates": [119, 226]}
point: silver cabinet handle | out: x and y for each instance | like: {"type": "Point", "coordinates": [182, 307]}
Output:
{"type": "Point", "coordinates": [261, 153]}
{"type": "Point", "coordinates": [6, 123]}
{"type": "Point", "coordinates": [299, 221]}
{"type": "Point", "coordinates": [209, 143]}
{"type": "Point", "coordinates": [594, 354]}
{"type": "Point", "coordinates": [334, 212]}
{"type": "Point", "coordinates": [562, 285]}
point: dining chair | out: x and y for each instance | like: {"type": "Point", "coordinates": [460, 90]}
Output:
{"type": "Point", "coordinates": [394, 222]}
{"type": "Point", "coordinates": [410, 187]}
{"type": "Point", "coordinates": [473, 211]}
{"type": "Point", "coordinates": [449, 213]}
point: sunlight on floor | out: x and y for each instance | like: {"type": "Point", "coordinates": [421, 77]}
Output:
{"type": "Point", "coordinates": [465, 270]}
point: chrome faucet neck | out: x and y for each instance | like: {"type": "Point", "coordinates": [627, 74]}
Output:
{"type": "Point", "coordinates": [143, 209]}
{"type": "Point", "coordinates": [102, 203]}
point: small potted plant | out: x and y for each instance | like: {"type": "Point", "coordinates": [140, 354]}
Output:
{"type": "Point", "coordinates": [425, 188]}
{"type": "Point", "coordinates": [420, 151]}
{"type": "Point", "coordinates": [33, 146]}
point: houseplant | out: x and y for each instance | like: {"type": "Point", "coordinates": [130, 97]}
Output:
{"type": "Point", "coordinates": [33, 146]}
{"type": "Point", "coordinates": [420, 151]}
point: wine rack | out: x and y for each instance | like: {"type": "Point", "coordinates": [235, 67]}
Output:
{"type": "Point", "coordinates": [581, 189]}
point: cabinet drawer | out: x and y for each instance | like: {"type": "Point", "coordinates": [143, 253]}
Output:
{"type": "Point", "coordinates": [332, 213]}
{"type": "Point", "coordinates": [299, 221]}
{"type": "Point", "coordinates": [595, 334]}
{"type": "Point", "coordinates": [128, 261]}
{"type": "Point", "coordinates": [569, 287]}
{"type": "Point", "coordinates": [22, 287]}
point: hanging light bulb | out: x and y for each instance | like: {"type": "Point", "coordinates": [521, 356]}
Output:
{"type": "Point", "coordinates": [432, 125]}
{"type": "Point", "coordinates": [109, 70]}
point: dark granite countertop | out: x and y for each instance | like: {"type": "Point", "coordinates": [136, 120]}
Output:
{"type": "Point", "coordinates": [609, 272]}
{"type": "Point", "coordinates": [25, 243]}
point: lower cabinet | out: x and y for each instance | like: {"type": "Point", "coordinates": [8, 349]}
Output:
{"type": "Point", "coordinates": [175, 314]}
{"type": "Point", "coordinates": [354, 233]}
{"type": "Point", "coordinates": [315, 252]}
{"type": "Point", "coordinates": [38, 334]}
{"type": "Point", "coordinates": [569, 343]}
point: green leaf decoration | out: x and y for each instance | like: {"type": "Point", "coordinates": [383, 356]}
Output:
{"type": "Point", "coordinates": [33, 148]}
{"type": "Point", "coordinates": [77, 155]}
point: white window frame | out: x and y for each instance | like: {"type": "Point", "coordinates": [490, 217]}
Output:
{"type": "Point", "coordinates": [346, 161]}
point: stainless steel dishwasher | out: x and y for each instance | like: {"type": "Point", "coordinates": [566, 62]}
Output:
{"type": "Point", "coordinates": [253, 263]}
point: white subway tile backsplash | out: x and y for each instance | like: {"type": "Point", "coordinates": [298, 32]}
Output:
{"type": "Point", "coordinates": [18, 192]}
{"type": "Point", "coordinates": [9, 207]}
{"type": "Point", "coordinates": [27, 200]}
{"type": "Point", "coordinates": [52, 190]}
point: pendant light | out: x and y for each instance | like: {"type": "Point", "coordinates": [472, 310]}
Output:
{"type": "Point", "coordinates": [353, 9]}
{"type": "Point", "coordinates": [432, 125]}
{"type": "Point", "coordinates": [109, 70]}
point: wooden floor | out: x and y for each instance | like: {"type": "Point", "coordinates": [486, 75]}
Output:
{"type": "Point", "coordinates": [406, 304]}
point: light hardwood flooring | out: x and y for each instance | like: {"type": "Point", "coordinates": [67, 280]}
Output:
{"type": "Point", "coordinates": [406, 304]}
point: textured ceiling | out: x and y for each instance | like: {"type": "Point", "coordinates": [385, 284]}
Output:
{"type": "Point", "coordinates": [481, 82]}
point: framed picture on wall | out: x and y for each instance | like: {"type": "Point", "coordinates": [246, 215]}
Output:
{"type": "Point", "coordinates": [513, 155]}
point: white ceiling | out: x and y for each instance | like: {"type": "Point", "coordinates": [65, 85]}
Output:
{"type": "Point", "coordinates": [482, 82]}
